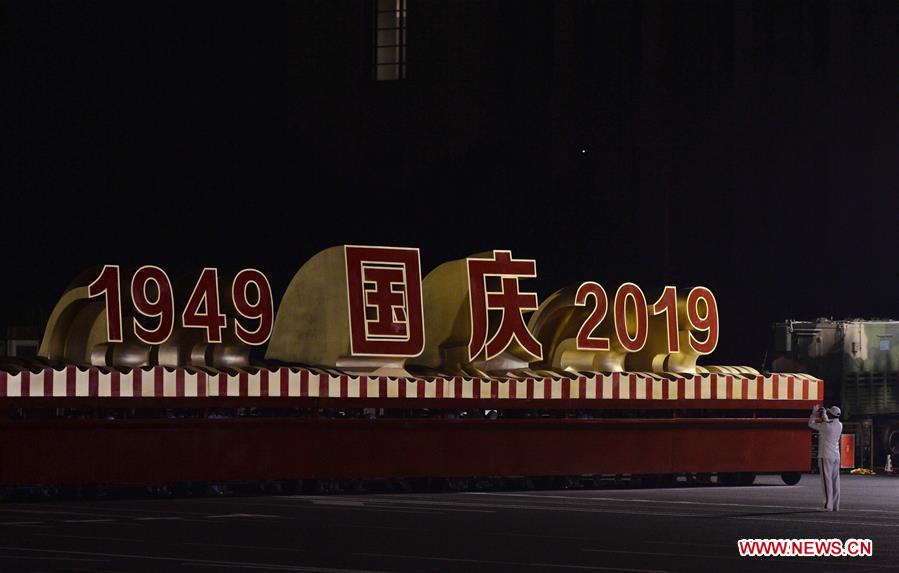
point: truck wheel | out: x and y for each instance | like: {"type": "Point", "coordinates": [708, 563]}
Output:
{"type": "Point", "coordinates": [747, 478]}
{"type": "Point", "coordinates": [887, 439]}
{"type": "Point", "coordinates": [667, 480]}
{"type": "Point", "coordinates": [791, 478]}
{"type": "Point", "coordinates": [455, 484]}
{"type": "Point", "coordinates": [645, 480]}
{"type": "Point", "coordinates": [728, 479]}
{"type": "Point", "coordinates": [699, 479]}
{"type": "Point", "coordinates": [892, 442]}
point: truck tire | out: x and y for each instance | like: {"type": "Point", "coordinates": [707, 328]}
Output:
{"type": "Point", "coordinates": [729, 479]}
{"type": "Point", "coordinates": [699, 479]}
{"type": "Point", "coordinates": [791, 478]}
{"type": "Point", "coordinates": [886, 439]}
{"type": "Point", "coordinates": [892, 441]}
{"type": "Point", "coordinates": [645, 481]}
{"type": "Point", "coordinates": [667, 480]}
{"type": "Point", "coordinates": [747, 478]}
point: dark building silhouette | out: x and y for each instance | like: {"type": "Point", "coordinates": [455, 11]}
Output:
{"type": "Point", "coordinates": [747, 146]}
{"type": "Point", "coordinates": [705, 142]}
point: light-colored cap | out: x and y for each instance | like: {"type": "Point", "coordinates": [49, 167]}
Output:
{"type": "Point", "coordinates": [834, 411]}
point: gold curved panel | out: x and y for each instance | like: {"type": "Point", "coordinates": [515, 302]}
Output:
{"type": "Point", "coordinates": [311, 326]}
{"type": "Point", "coordinates": [444, 293]}
{"type": "Point", "coordinates": [76, 325]}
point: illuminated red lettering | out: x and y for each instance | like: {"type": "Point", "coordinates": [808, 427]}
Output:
{"type": "Point", "coordinates": [163, 306]}
{"type": "Point", "coordinates": [707, 321]}
{"type": "Point", "coordinates": [667, 303]}
{"type": "Point", "coordinates": [384, 296]}
{"type": "Point", "coordinates": [635, 343]}
{"type": "Point", "coordinates": [202, 310]}
{"type": "Point", "coordinates": [508, 300]}
{"type": "Point", "coordinates": [262, 309]}
{"type": "Point", "coordinates": [584, 339]}
{"type": "Point", "coordinates": [107, 284]}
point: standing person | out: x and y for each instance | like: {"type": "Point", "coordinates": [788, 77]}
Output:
{"type": "Point", "coordinates": [829, 430]}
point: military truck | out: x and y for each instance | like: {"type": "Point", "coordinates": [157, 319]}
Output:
{"type": "Point", "coordinates": [859, 362]}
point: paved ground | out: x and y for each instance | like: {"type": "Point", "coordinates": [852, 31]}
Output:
{"type": "Point", "coordinates": [639, 530]}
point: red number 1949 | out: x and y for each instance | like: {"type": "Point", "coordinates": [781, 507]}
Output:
{"type": "Point", "coordinates": [152, 297]}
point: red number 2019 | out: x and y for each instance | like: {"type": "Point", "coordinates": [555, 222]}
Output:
{"type": "Point", "coordinates": [632, 329]}
{"type": "Point", "coordinates": [152, 298]}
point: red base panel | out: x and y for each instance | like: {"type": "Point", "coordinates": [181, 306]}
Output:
{"type": "Point", "coordinates": [158, 451]}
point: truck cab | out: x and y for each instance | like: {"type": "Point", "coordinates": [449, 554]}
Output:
{"type": "Point", "coordinates": [859, 360]}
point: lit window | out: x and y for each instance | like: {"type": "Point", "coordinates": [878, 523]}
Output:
{"type": "Point", "coordinates": [390, 40]}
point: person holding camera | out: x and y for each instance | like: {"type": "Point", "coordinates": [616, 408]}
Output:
{"type": "Point", "coordinates": [829, 430]}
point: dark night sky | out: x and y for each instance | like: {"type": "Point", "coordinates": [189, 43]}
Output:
{"type": "Point", "coordinates": [193, 134]}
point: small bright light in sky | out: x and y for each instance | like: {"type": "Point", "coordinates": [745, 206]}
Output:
{"type": "Point", "coordinates": [583, 150]}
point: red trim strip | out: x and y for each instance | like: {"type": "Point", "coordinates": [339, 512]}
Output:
{"type": "Point", "coordinates": [48, 381]}
{"type": "Point", "coordinates": [158, 386]}
{"type": "Point", "coordinates": [324, 387]}
{"type": "Point", "coordinates": [285, 381]}
{"type": "Point", "coordinates": [263, 382]}
{"type": "Point", "coordinates": [243, 384]}
{"type": "Point", "coordinates": [93, 382]}
{"type": "Point", "coordinates": [70, 381]}
{"type": "Point", "coordinates": [304, 383]}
